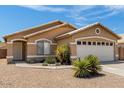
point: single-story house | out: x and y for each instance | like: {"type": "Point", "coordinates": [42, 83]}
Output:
{"type": "Point", "coordinates": [121, 47]}
{"type": "Point", "coordinates": [3, 50]}
{"type": "Point", "coordinates": [41, 41]}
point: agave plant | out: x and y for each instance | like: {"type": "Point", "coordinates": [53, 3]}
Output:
{"type": "Point", "coordinates": [82, 68]}
{"type": "Point", "coordinates": [94, 64]}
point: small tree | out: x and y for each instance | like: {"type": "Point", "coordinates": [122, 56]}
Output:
{"type": "Point", "coordinates": [63, 54]}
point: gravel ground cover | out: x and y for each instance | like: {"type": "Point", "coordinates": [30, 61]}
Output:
{"type": "Point", "coordinates": [19, 77]}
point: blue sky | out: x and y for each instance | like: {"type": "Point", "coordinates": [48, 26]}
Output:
{"type": "Point", "coordinates": [17, 18]}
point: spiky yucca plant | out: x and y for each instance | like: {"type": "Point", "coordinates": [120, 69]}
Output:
{"type": "Point", "coordinates": [82, 68]}
{"type": "Point", "coordinates": [94, 64]}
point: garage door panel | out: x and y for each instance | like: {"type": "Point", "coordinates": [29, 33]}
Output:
{"type": "Point", "coordinates": [104, 53]}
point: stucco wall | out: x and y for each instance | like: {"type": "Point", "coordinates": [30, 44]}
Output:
{"type": "Point", "coordinates": [50, 34]}
{"type": "Point", "coordinates": [121, 51]}
{"type": "Point", "coordinates": [31, 49]}
{"type": "Point", "coordinates": [9, 49]}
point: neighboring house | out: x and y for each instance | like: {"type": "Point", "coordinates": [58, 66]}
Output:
{"type": "Point", "coordinates": [3, 50]}
{"type": "Point", "coordinates": [121, 47]}
{"type": "Point", "coordinates": [39, 42]}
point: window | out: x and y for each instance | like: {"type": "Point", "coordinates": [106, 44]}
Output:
{"type": "Point", "coordinates": [107, 44]}
{"type": "Point", "coordinates": [111, 44]}
{"type": "Point", "coordinates": [98, 43]}
{"type": "Point", "coordinates": [103, 43]}
{"type": "Point", "coordinates": [84, 42]}
{"type": "Point", "coordinates": [78, 42]}
{"type": "Point", "coordinates": [97, 31]}
{"type": "Point", "coordinates": [89, 43]}
{"type": "Point", "coordinates": [94, 43]}
{"type": "Point", "coordinates": [43, 47]}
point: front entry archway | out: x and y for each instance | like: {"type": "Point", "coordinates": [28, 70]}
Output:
{"type": "Point", "coordinates": [19, 50]}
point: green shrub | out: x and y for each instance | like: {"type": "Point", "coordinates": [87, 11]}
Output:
{"type": "Point", "coordinates": [50, 60]}
{"type": "Point", "coordinates": [63, 54]}
{"type": "Point", "coordinates": [89, 66]}
{"type": "Point", "coordinates": [82, 68]}
{"type": "Point", "coordinates": [94, 64]}
{"type": "Point", "coordinates": [44, 64]}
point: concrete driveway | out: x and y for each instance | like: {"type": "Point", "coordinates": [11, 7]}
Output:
{"type": "Point", "coordinates": [114, 67]}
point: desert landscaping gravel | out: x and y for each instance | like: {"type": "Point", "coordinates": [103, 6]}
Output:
{"type": "Point", "coordinates": [12, 76]}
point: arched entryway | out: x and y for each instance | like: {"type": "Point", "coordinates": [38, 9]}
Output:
{"type": "Point", "coordinates": [19, 50]}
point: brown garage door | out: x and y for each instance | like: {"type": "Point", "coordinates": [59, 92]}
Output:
{"type": "Point", "coordinates": [121, 53]}
{"type": "Point", "coordinates": [3, 53]}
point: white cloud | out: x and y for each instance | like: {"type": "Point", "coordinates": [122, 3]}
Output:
{"type": "Point", "coordinates": [115, 7]}
{"type": "Point", "coordinates": [84, 14]}
{"type": "Point", "coordinates": [114, 29]}
{"type": "Point", "coordinates": [113, 10]}
{"type": "Point", "coordinates": [75, 14]}
{"type": "Point", "coordinates": [87, 14]}
{"type": "Point", "coordinates": [95, 13]}
{"type": "Point", "coordinates": [45, 8]}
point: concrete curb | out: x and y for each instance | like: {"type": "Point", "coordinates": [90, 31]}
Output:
{"type": "Point", "coordinates": [43, 67]}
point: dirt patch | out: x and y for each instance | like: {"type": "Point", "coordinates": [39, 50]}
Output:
{"type": "Point", "coordinates": [3, 61]}
{"type": "Point", "coordinates": [12, 76]}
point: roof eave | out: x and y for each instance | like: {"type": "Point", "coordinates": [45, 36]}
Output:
{"type": "Point", "coordinates": [58, 38]}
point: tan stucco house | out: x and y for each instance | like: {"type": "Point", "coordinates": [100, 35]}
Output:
{"type": "Point", "coordinates": [41, 41]}
{"type": "Point", "coordinates": [121, 47]}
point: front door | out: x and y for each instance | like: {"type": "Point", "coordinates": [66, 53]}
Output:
{"type": "Point", "coordinates": [19, 51]}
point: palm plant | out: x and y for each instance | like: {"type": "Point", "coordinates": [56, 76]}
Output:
{"type": "Point", "coordinates": [82, 68]}
{"type": "Point", "coordinates": [94, 64]}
